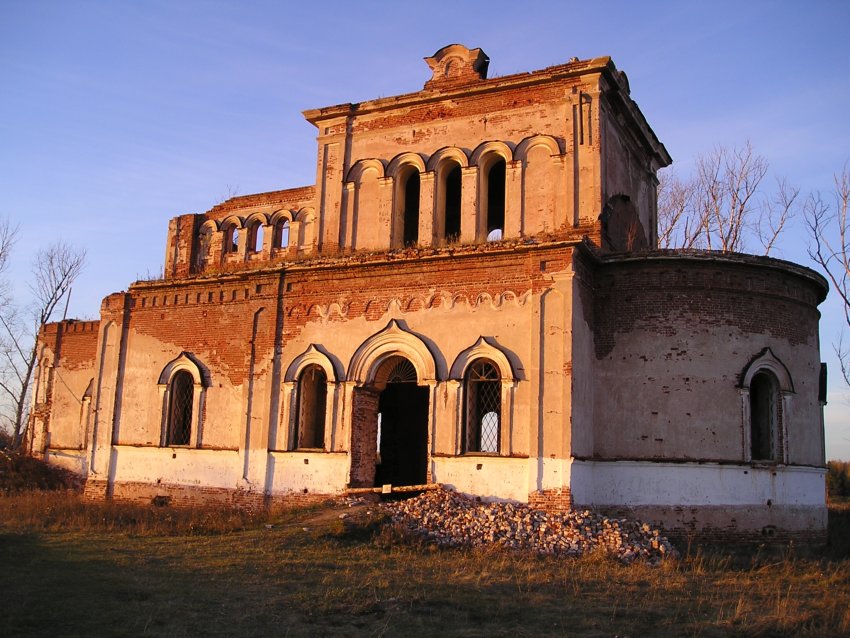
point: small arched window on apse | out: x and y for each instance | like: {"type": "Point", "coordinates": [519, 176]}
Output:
{"type": "Point", "coordinates": [280, 239]}
{"type": "Point", "coordinates": [765, 406]}
{"type": "Point", "coordinates": [483, 413]}
{"type": "Point", "coordinates": [204, 243]}
{"type": "Point", "coordinates": [410, 201]}
{"type": "Point", "coordinates": [450, 201]}
{"type": "Point", "coordinates": [231, 238]}
{"type": "Point", "coordinates": [495, 180]}
{"type": "Point", "coordinates": [255, 236]}
{"type": "Point", "coordinates": [766, 389]}
{"type": "Point", "coordinates": [181, 392]}
{"type": "Point", "coordinates": [311, 409]}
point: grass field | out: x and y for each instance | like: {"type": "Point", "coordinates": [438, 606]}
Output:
{"type": "Point", "coordinates": [71, 568]}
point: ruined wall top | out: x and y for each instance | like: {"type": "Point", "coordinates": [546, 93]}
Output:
{"type": "Point", "coordinates": [456, 64]}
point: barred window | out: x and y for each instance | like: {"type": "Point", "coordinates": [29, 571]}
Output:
{"type": "Point", "coordinates": [483, 414]}
{"type": "Point", "coordinates": [312, 399]}
{"type": "Point", "coordinates": [181, 392]}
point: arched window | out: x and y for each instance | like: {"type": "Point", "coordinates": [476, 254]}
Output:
{"type": "Point", "coordinates": [483, 414]}
{"type": "Point", "coordinates": [312, 400]}
{"type": "Point", "coordinates": [766, 389]}
{"type": "Point", "coordinates": [280, 239]}
{"type": "Point", "coordinates": [204, 242]}
{"type": "Point", "coordinates": [410, 214]}
{"type": "Point", "coordinates": [450, 199]}
{"type": "Point", "coordinates": [181, 391]}
{"type": "Point", "coordinates": [255, 237]}
{"type": "Point", "coordinates": [231, 239]}
{"type": "Point", "coordinates": [764, 416]}
{"type": "Point", "coordinates": [496, 200]}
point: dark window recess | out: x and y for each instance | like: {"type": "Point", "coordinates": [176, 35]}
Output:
{"type": "Point", "coordinates": [452, 209]}
{"type": "Point", "coordinates": [312, 399]}
{"type": "Point", "coordinates": [763, 417]}
{"type": "Point", "coordinates": [180, 398]}
{"type": "Point", "coordinates": [496, 199]}
{"type": "Point", "coordinates": [483, 408]}
{"type": "Point", "coordinates": [411, 210]}
{"type": "Point", "coordinates": [204, 240]}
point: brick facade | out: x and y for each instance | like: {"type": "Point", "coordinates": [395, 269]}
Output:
{"type": "Point", "coordinates": [614, 375]}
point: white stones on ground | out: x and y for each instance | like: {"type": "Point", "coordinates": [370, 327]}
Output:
{"type": "Point", "coordinates": [449, 519]}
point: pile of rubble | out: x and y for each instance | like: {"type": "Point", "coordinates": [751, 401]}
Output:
{"type": "Point", "coordinates": [449, 519]}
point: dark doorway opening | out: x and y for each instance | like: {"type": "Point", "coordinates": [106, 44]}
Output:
{"type": "Point", "coordinates": [402, 435]}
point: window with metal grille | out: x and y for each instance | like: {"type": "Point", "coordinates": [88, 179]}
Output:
{"type": "Point", "coordinates": [312, 398]}
{"type": "Point", "coordinates": [483, 390]}
{"type": "Point", "coordinates": [180, 396]}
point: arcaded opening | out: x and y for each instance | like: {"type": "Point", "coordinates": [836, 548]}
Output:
{"type": "Point", "coordinates": [231, 239]}
{"type": "Point", "coordinates": [255, 237]}
{"type": "Point", "coordinates": [451, 204]}
{"type": "Point", "coordinates": [496, 200]}
{"type": "Point", "coordinates": [204, 242]}
{"type": "Point", "coordinates": [280, 239]}
{"type": "Point", "coordinates": [410, 215]}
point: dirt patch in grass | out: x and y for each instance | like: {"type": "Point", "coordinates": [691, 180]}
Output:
{"type": "Point", "coordinates": [338, 570]}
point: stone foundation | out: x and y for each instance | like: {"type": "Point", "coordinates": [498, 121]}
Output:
{"type": "Point", "coordinates": [554, 501]}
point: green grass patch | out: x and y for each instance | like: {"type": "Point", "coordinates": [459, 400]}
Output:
{"type": "Point", "coordinates": [105, 569]}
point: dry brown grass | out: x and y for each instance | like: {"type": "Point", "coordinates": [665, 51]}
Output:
{"type": "Point", "coordinates": [76, 568]}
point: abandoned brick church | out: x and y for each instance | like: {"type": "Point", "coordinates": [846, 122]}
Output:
{"type": "Point", "coordinates": [470, 294]}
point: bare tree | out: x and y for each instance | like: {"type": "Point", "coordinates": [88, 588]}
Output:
{"type": "Point", "coordinates": [829, 230]}
{"type": "Point", "coordinates": [7, 240]}
{"type": "Point", "coordinates": [723, 206]}
{"type": "Point", "coordinates": [678, 226]}
{"type": "Point", "coordinates": [54, 269]}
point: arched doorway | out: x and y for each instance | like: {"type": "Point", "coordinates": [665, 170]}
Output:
{"type": "Point", "coordinates": [402, 437]}
{"type": "Point", "coordinates": [394, 374]}
{"type": "Point", "coordinates": [390, 427]}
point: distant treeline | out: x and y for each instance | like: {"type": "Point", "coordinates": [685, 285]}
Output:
{"type": "Point", "coordinates": [838, 478]}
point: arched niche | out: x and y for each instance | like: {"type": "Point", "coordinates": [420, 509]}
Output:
{"type": "Point", "coordinates": [403, 160]}
{"type": "Point", "coordinates": [484, 348]}
{"type": "Point", "coordinates": [445, 154]}
{"type": "Point", "coordinates": [547, 141]}
{"type": "Point", "coordinates": [392, 341]}
{"type": "Point", "coordinates": [188, 362]}
{"type": "Point", "coordinates": [313, 355]}
{"type": "Point", "coordinates": [766, 360]}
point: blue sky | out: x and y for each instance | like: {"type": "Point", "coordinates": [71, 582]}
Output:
{"type": "Point", "coordinates": [116, 116]}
